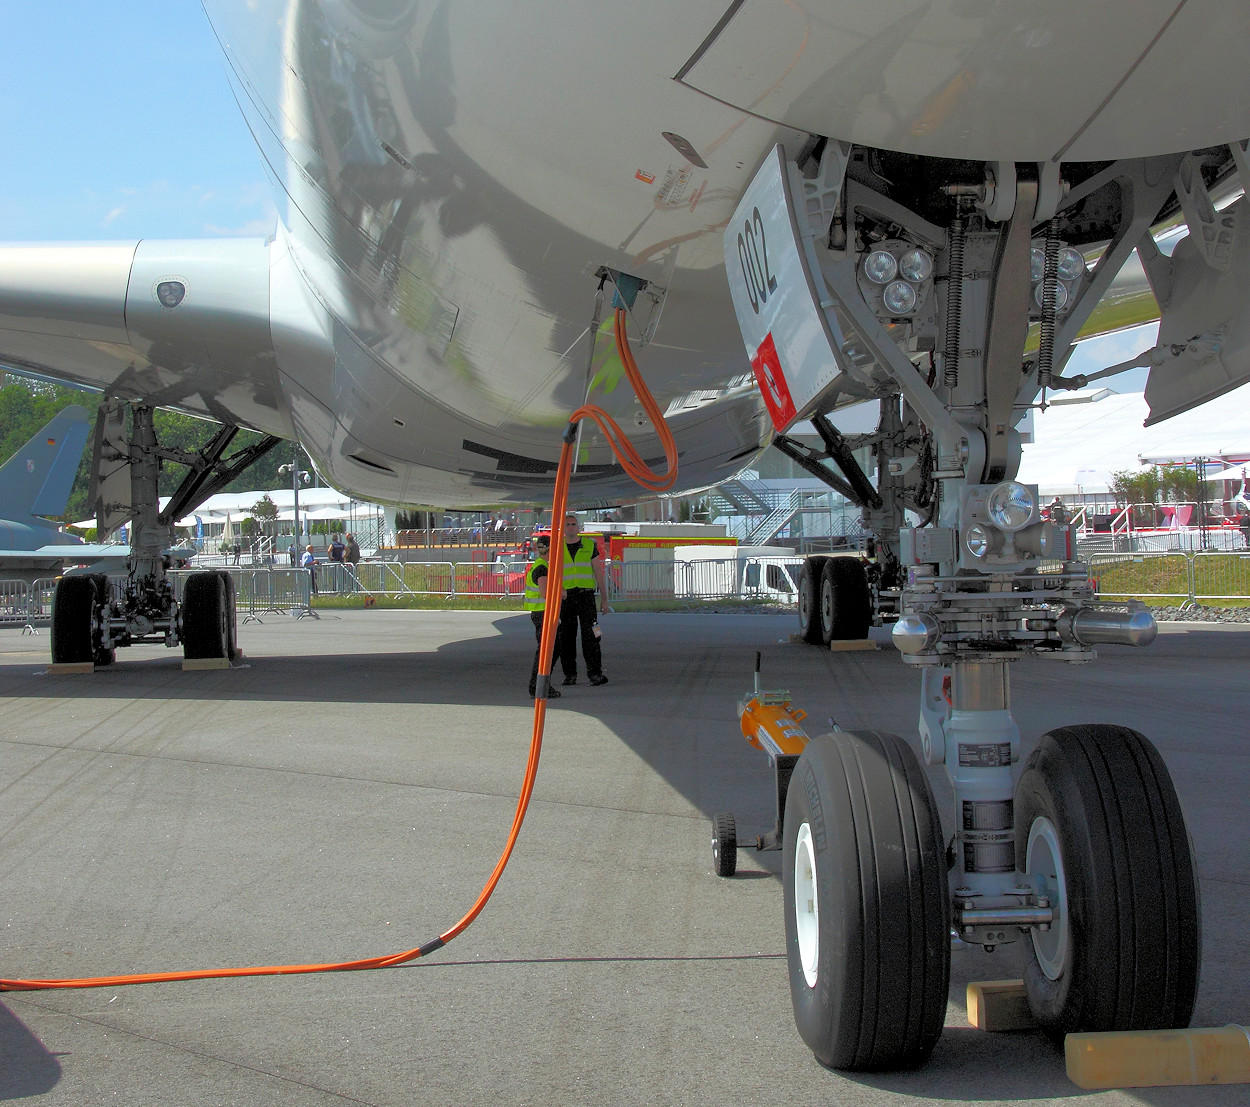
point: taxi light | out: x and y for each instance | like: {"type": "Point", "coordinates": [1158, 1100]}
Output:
{"type": "Point", "coordinates": [915, 266]}
{"type": "Point", "coordinates": [1010, 505]}
{"type": "Point", "coordinates": [899, 297]}
{"type": "Point", "coordinates": [880, 267]}
{"type": "Point", "coordinates": [1071, 264]}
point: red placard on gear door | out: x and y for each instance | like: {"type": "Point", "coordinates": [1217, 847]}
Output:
{"type": "Point", "coordinates": [772, 382]}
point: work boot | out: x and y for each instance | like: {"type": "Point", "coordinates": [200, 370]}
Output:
{"type": "Point", "coordinates": [570, 680]}
{"type": "Point", "coordinates": [552, 693]}
{"type": "Point", "coordinates": [598, 680]}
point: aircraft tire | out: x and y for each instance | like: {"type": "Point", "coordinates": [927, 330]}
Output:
{"type": "Point", "coordinates": [74, 634]}
{"type": "Point", "coordinates": [205, 610]}
{"type": "Point", "coordinates": [232, 616]}
{"type": "Point", "coordinates": [845, 603]}
{"type": "Point", "coordinates": [1097, 814]}
{"type": "Point", "coordinates": [724, 844]}
{"type": "Point", "coordinates": [866, 904]}
{"type": "Point", "coordinates": [809, 600]}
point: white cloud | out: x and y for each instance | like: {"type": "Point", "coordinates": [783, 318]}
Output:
{"type": "Point", "coordinates": [114, 214]}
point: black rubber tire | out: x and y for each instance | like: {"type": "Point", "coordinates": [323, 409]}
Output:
{"type": "Point", "coordinates": [724, 844]}
{"type": "Point", "coordinates": [809, 600]}
{"type": "Point", "coordinates": [75, 637]}
{"type": "Point", "coordinates": [232, 616]}
{"type": "Point", "coordinates": [845, 602]}
{"type": "Point", "coordinates": [881, 959]}
{"type": "Point", "coordinates": [1133, 947]}
{"type": "Point", "coordinates": [204, 613]}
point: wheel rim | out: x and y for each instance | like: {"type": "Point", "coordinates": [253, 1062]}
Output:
{"type": "Point", "coordinates": [805, 605]}
{"type": "Point", "coordinates": [826, 603]}
{"type": "Point", "coordinates": [806, 910]}
{"type": "Point", "coordinates": [1044, 858]}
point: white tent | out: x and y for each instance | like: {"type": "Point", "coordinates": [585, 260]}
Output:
{"type": "Point", "coordinates": [1233, 472]}
{"type": "Point", "coordinates": [1083, 438]}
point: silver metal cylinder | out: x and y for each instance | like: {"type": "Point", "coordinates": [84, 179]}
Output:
{"type": "Point", "coordinates": [916, 633]}
{"type": "Point", "coordinates": [1005, 916]}
{"type": "Point", "coordinates": [979, 686]}
{"type": "Point", "coordinates": [1091, 627]}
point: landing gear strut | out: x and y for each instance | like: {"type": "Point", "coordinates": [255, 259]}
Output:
{"type": "Point", "coordinates": [91, 616]}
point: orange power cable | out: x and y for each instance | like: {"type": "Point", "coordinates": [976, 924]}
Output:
{"type": "Point", "coordinates": [644, 475]}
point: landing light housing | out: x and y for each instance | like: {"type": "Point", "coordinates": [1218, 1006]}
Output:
{"type": "Point", "coordinates": [896, 278]}
{"type": "Point", "coordinates": [1010, 506]}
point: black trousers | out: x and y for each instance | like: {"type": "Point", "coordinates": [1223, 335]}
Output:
{"type": "Point", "coordinates": [536, 617]}
{"type": "Point", "coordinates": [578, 610]}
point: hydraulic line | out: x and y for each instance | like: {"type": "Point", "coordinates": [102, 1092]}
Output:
{"type": "Point", "coordinates": [641, 473]}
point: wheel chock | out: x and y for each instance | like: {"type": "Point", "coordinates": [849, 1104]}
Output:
{"type": "Point", "coordinates": [189, 663]}
{"type": "Point", "coordinates": [72, 667]}
{"type": "Point", "coordinates": [998, 1005]}
{"type": "Point", "coordinates": [852, 644]}
{"type": "Point", "coordinates": [1158, 1058]}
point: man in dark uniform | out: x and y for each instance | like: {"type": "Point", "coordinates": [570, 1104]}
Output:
{"type": "Point", "coordinates": [536, 605]}
{"type": "Point", "coordinates": [583, 573]}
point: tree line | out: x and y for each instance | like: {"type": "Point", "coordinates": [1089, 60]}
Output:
{"type": "Point", "coordinates": [25, 406]}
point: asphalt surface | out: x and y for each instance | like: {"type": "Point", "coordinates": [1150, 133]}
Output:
{"type": "Point", "coordinates": [346, 791]}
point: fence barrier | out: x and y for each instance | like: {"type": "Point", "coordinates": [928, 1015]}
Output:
{"type": "Point", "coordinates": [1169, 579]}
{"type": "Point", "coordinates": [1186, 577]}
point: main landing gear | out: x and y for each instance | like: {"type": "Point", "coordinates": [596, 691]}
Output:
{"type": "Point", "coordinates": [92, 615]}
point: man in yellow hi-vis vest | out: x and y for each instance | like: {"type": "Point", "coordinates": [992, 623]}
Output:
{"type": "Point", "coordinates": [535, 604]}
{"type": "Point", "coordinates": [583, 573]}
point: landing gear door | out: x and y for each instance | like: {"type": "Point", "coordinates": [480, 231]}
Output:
{"type": "Point", "coordinates": [786, 334]}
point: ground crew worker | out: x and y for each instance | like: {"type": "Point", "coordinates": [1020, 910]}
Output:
{"type": "Point", "coordinates": [583, 573]}
{"type": "Point", "coordinates": [536, 604]}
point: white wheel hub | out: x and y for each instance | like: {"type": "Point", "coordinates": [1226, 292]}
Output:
{"type": "Point", "coordinates": [1043, 858]}
{"type": "Point", "coordinates": [806, 910]}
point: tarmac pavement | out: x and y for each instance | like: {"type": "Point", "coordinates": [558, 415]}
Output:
{"type": "Point", "coordinates": [347, 789]}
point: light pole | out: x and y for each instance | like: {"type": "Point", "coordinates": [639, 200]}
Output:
{"type": "Point", "coordinates": [298, 476]}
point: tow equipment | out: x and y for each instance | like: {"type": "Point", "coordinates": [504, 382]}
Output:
{"type": "Point", "coordinates": [771, 723]}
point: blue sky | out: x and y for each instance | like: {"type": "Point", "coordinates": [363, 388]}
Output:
{"type": "Point", "coordinates": [118, 122]}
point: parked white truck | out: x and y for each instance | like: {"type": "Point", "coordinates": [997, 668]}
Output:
{"type": "Point", "coordinates": [738, 572]}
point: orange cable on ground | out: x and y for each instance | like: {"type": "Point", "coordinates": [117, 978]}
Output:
{"type": "Point", "coordinates": [644, 475]}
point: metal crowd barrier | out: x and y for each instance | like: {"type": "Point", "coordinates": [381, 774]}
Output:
{"type": "Point", "coordinates": [1202, 576]}
{"type": "Point", "coordinates": [260, 592]}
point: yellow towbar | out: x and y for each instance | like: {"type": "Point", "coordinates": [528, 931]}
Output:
{"type": "Point", "coordinates": [770, 722]}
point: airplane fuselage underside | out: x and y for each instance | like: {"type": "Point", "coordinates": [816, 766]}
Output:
{"type": "Point", "coordinates": [453, 177]}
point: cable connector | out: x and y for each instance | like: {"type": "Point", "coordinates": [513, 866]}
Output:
{"type": "Point", "coordinates": [570, 433]}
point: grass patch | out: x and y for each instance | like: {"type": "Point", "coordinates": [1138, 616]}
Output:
{"type": "Point", "coordinates": [1165, 582]}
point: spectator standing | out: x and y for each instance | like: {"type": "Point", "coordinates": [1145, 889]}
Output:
{"type": "Point", "coordinates": [309, 562]}
{"type": "Point", "coordinates": [351, 555]}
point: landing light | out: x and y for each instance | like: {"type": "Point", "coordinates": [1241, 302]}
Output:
{"type": "Point", "coordinates": [915, 266]}
{"type": "Point", "coordinates": [899, 297]}
{"type": "Point", "coordinates": [1010, 506]}
{"type": "Point", "coordinates": [977, 539]}
{"type": "Point", "coordinates": [1071, 264]}
{"type": "Point", "coordinates": [1061, 295]}
{"type": "Point", "coordinates": [880, 266]}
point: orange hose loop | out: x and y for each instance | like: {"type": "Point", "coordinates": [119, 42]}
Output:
{"type": "Point", "coordinates": [643, 475]}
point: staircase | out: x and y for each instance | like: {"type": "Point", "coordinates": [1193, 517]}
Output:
{"type": "Point", "coordinates": [760, 534]}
